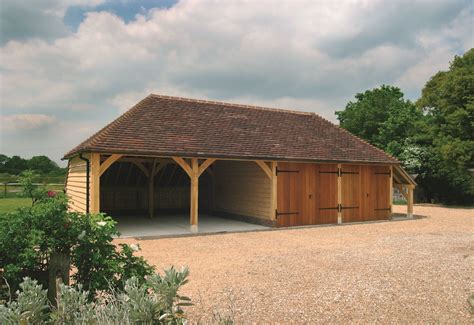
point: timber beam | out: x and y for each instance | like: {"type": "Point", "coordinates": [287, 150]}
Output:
{"type": "Point", "coordinates": [267, 170]}
{"type": "Point", "coordinates": [194, 170]}
{"type": "Point", "coordinates": [108, 162]}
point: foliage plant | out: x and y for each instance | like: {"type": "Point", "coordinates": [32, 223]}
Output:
{"type": "Point", "coordinates": [30, 307]}
{"type": "Point", "coordinates": [100, 264]}
{"type": "Point", "coordinates": [153, 301]}
{"type": "Point", "coordinates": [29, 236]}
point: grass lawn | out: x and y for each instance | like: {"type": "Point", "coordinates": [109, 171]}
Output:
{"type": "Point", "coordinates": [10, 204]}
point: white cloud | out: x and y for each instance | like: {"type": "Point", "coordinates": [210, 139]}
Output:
{"type": "Point", "coordinates": [22, 122]}
{"type": "Point", "coordinates": [304, 55]}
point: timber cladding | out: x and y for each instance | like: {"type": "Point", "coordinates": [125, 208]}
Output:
{"type": "Point", "coordinates": [76, 186]}
{"type": "Point", "coordinates": [319, 193]}
{"type": "Point", "coordinates": [242, 188]}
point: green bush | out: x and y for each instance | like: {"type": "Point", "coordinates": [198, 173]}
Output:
{"type": "Point", "coordinates": [154, 301]}
{"type": "Point", "coordinates": [30, 307]}
{"type": "Point", "coordinates": [29, 236]}
{"type": "Point", "coordinates": [100, 265]}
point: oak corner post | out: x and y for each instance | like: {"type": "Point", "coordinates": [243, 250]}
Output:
{"type": "Point", "coordinates": [339, 195]}
{"type": "Point", "coordinates": [94, 183]}
{"type": "Point", "coordinates": [194, 194]}
{"type": "Point", "coordinates": [410, 201]}
{"type": "Point", "coordinates": [274, 179]}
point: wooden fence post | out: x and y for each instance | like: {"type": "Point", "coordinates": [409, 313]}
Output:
{"type": "Point", "coordinates": [58, 272]}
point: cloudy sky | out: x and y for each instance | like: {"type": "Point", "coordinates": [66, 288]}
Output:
{"type": "Point", "coordinates": [69, 67]}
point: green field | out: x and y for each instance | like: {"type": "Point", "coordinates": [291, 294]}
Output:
{"type": "Point", "coordinates": [10, 204]}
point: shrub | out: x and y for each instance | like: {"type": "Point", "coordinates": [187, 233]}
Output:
{"type": "Point", "coordinates": [29, 236]}
{"type": "Point", "coordinates": [30, 307]}
{"type": "Point", "coordinates": [155, 301]}
{"type": "Point", "coordinates": [100, 265]}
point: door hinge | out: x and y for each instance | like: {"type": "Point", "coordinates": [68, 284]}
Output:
{"type": "Point", "coordinates": [277, 214]}
{"type": "Point", "coordinates": [285, 171]}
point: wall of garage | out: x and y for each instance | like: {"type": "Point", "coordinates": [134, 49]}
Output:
{"type": "Point", "coordinates": [242, 188]}
{"type": "Point", "coordinates": [76, 185]}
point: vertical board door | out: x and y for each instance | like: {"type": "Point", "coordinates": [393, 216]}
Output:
{"type": "Point", "coordinates": [326, 189]}
{"type": "Point", "coordinates": [308, 195]}
{"type": "Point", "coordinates": [351, 193]}
{"type": "Point", "coordinates": [297, 194]}
{"type": "Point", "coordinates": [382, 186]}
{"type": "Point", "coordinates": [376, 192]}
{"type": "Point", "coordinates": [289, 192]}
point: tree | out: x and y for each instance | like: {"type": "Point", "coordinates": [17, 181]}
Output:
{"type": "Point", "coordinates": [42, 165]}
{"type": "Point", "coordinates": [448, 102]}
{"type": "Point", "coordinates": [15, 165]}
{"type": "Point", "coordinates": [382, 117]}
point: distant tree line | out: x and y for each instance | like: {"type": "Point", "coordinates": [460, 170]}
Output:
{"type": "Point", "coordinates": [41, 165]}
{"type": "Point", "coordinates": [432, 137]}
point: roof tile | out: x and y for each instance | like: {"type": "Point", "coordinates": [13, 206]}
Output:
{"type": "Point", "coordinates": [164, 125]}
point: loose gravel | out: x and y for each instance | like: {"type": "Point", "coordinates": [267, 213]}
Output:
{"type": "Point", "coordinates": [410, 271]}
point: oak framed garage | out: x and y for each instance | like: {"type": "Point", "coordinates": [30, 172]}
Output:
{"type": "Point", "coordinates": [269, 166]}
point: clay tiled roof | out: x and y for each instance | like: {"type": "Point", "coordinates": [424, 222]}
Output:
{"type": "Point", "coordinates": [172, 126]}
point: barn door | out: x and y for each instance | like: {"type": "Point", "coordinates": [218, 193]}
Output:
{"type": "Point", "coordinates": [326, 200]}
{"type": "Point", "coordinates": [289, 193]}
{"type": "Point", "coordinates": [376, 192]}
{"type": "Point", "coordinates": [351, 193]}
{"type": "Point", "coordinates": [382, 192]}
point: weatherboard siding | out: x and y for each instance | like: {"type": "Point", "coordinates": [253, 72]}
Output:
{"type": "Point", "coordinates": [76, 185]}
{"type": "Point", "coordinates": [242, 188]}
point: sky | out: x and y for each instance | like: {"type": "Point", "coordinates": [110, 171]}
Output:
{"type": "Point", "coordinates": [67, 68]}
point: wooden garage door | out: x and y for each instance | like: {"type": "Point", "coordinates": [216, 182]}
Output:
{"type": "Point", "coordinates": [326, 189]}
{"type": "Point", "coordinates": [351, 193]}
{"type": "Point", "coordinates": [365, 193]}
{"type": "Point", "coordinates": [307, 194]}
{"type": "Point", "coordinates": [290, 192]}
{"type": "Point", "coordinates": [376, 192]}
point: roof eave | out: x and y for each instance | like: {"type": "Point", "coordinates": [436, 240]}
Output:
{"type": "Point", "coordinates": [220, 156]}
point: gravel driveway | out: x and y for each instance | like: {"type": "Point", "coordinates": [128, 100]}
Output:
{"type": "Point", "coordinates": [400, 271]}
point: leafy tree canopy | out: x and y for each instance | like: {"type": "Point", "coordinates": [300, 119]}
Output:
{"type": "Point", "coordinates": [42, 165]}
{"type": "Point", "coordinates": [381, 116]}
{"type": "Point", "coordinates": [433, 138]}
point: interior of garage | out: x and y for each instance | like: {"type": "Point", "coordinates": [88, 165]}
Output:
{"type": "Point", "coordinates": [125, 190]}
{"type": "Point", "coordinates": [231, 195]}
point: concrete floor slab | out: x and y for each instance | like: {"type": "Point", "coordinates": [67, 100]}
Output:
{"type": "Point", "coordinates": [178, 225]}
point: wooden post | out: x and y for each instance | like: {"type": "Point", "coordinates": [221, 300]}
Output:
{"type": "Point", "coordinates": [194, 195]}
{"type": "Point", "coordinates": [410, 202]}
{"type": "Point", "coordinates": [194, 171]}
{"type": "Point", "coordinates": [58, 272]}
{"type": "Point", "coordinates": [274, 191]}
{"type": "Point", "coordinates": [339, 194]}
{"type": "Point", "coordinates": [94, 183]}
{"type": "Point", "coordinates": [390, 191]}
{"type": "Point", "coordinates": [151, 190]}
